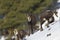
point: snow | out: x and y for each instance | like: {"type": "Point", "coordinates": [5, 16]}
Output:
{"type": "Point", "coordinates": [54, 31]}
{"type": "Point", "coordinates": [51, 33]}
{"type": "Point", "coordinates": [2, 38]}
{"type": "Point", "coordinates": [58, 1]}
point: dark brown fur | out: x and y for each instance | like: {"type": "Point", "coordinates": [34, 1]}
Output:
{"type": "Point", "coordinates": [47, 15]}
{"type": "Point", "coordinates": [32, 23]}
{"type": "Point", "coordinates": [21, 34]}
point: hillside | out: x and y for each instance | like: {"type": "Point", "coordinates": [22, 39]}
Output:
{"type": "Point", "coordinates": [51, 33]}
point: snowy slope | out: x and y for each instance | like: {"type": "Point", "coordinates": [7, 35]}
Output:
{"type": "Point", "coordinates": [51, 33]}
{"type": "Point", "coordinates": [58, 1]}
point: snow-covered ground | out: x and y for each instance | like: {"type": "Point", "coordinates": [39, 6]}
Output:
{"type": "Point", "coordinates": [51, 33]}
{"type": "Point", "coordinates": [58, 1]}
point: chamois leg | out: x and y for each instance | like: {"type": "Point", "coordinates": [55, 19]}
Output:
{"type": "Point", "coordinates": [41, 28]}
{"type": "Point", "coordinates": [41, 24]}
{"type": "Point", "coordinates": [32, 29]}
{"type": "Point", "coordinates": [52, 20]}
{"type": "Point", "coordinates": [47, 24]}
{"type": "Point", "coordinates": [29, 28]}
